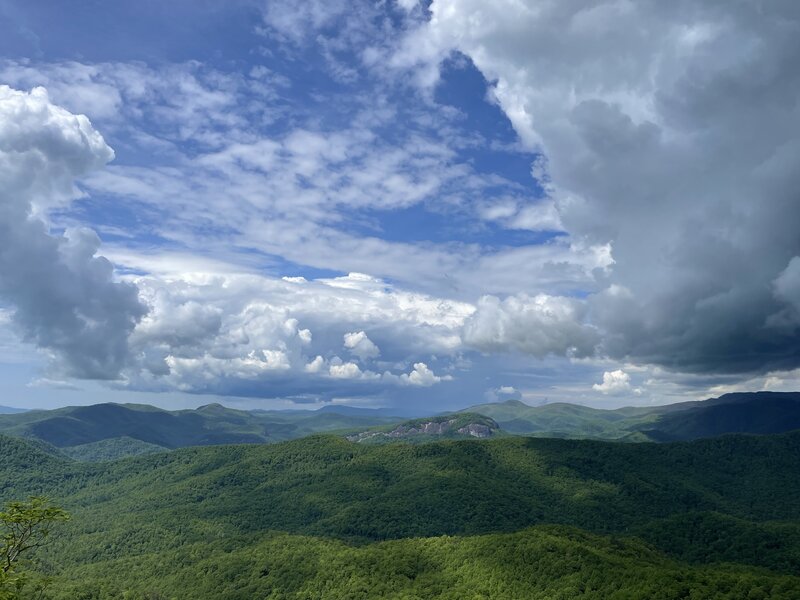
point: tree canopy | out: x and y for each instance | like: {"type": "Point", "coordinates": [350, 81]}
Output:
{"type": "Point", "coordinates": [25, 525]}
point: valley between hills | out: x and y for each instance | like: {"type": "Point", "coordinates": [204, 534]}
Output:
{"type": "Point", "coordinates": [700, 500]}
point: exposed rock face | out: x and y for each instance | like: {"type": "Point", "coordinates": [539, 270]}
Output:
{"type": "Point", "coordinates": [427, 428]}
{"type": "Point", "coordinates": [476, 430]}
{"type": "Point", "coordinates": [434, 427]}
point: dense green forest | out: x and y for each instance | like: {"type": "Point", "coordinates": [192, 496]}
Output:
{"type": "Point", "coordinates": [512, 517]}
{"type": "Point", "coordinates": [546, 562]}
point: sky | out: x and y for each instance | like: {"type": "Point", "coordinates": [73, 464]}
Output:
{"type": "Point", "coordinates": [418, 205]}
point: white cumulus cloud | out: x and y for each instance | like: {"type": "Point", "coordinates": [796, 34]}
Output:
{"type": "Point", "coordinates": [359, 344]}
{"type": "Point", "coordinates": [614, 383]}
{"type": "Point", "coordinates": [538, 325]}
{"type": "Point", "coordinates": [65, 297]}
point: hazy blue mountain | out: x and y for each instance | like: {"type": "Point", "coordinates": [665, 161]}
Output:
{"type": "Point", "coordinates": [107, 431]}
{"type": "Point", "coordinates": [10, 410]}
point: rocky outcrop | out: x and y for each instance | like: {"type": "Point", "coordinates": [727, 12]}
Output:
{"type": "Point", "coordinates": [477, 430]}
{"type": "Point", "coordinates": [443, 426]}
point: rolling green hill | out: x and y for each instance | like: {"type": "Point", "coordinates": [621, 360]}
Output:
{"type": "Point", "coordinates": [324, 517]}
{"type": "Point", "coordinates": [759, 412]}
{"type": "Point", "coordinates": [564, 420]}
{"type": "Point", "coordinates": [109, 431]}
{"type": "Point", "coordinates": [502, 517]}
{"type": "Point", "coordinates": [220, 516]}
{"type": "Point", "coordinates": [324, 485]}
{"type": "Point", "coordinates": [545, 563]}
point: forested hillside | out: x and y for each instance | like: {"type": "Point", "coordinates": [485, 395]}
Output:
{"type": "Point", "coordinates": [545, 563]}
{"type": "Point", "coordinates": [221, 516]}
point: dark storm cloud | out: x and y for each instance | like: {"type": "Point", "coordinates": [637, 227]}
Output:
{"type": "Point", "coordinates": [672, 132]}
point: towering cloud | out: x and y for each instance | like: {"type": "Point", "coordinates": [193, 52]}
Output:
{"type": "Point", "coordinates": [64, 297]}
{"type": "Point", "coordinates": [258, 336]}
{"type": "Point", "coordinates": [670, 130]}
{"type": "Point", "coordinates": [539, 326]}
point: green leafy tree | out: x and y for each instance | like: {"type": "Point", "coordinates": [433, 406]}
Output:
{"type": "Point", "coordinates": [24, 526]}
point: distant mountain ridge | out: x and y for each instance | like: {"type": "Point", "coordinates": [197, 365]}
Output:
{"type": "Point", "coordinates": [109, 431]}
{"type": "Point", "coordinates": [10, 410]}
{"type": "Point", "coordinates": [751, 412]}
{"type": "Point", "coordinates": [758, 413]}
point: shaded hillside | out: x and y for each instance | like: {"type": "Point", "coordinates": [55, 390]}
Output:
{"type": "Point", "coordinates": [758, 413]}
{"type": "Point", "coordinates": [170, 517]}
{"type": "Point", "coordinates": [108, 431]}
{"type": "Point", "coordinates": [110, 449]}
{"type": "Point", "coordinates": [323, 485]}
